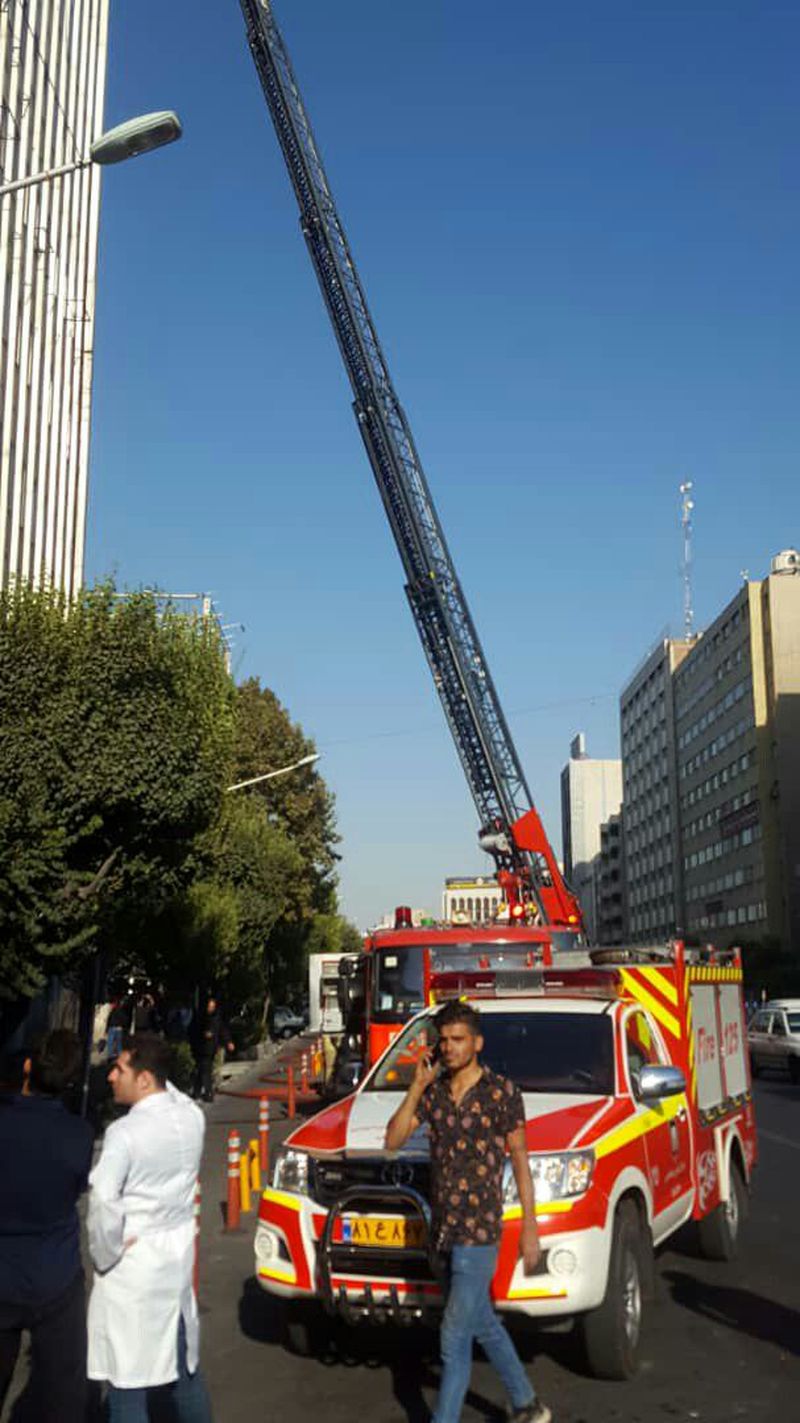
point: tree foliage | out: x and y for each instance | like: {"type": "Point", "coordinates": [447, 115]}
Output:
{"type": "Point", "coordinates": [299, 803]}
{"type": "Point", "coordinates": [120, 734]}
{"type": "Point", "coordinates": [116, 729]}
{"type": "Point", "coordinates": [215, 932]}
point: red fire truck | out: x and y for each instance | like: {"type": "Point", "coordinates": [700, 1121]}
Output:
{"type": "Point", "coordinates": [396, 975]}
{"type": "Point", "coordinates": [511, 829]}
{"type": "Point", "coordinates": [639, 1117]}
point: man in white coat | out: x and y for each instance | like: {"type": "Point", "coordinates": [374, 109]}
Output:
{"type": "Point", "coordinates": [143, 1326]}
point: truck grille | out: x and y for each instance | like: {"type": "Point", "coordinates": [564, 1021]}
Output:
{"type": "Point", "coordinates": [330, 1178]}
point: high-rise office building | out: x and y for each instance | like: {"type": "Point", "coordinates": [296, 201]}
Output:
{"type": "Point", "coordinates": [737, 720]}
{"type": "Point", "coordinates": [611, 883]}
{"type": "Point", "coordinates": [652, 857]}
{"type": "Point", "coordinates": [591, 792]}
{"type": "Point", "coordinates": [52, 81]}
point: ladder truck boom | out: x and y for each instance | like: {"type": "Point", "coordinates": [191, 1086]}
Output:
{"type": "Point", "coordinates": [511, 829]}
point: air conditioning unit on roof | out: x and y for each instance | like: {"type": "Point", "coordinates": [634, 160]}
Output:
{"type": "Point", "coordinates": [787, 561]}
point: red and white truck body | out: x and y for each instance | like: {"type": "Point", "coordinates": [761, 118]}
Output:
{"type": "Point", "coordinates": [612, 1160]}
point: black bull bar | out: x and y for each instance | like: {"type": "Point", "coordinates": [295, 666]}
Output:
{"type": "Point", "coordinates": [355, 1259]}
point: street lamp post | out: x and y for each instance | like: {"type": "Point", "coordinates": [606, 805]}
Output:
{"type": "Point", "coordinates": [126, 140]}
{"type": "Point", "coordinates": [268, 775]}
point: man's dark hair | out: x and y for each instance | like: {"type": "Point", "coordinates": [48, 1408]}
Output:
{"type": "Point", "coordinates": [55, 1063]}
{"type": "Point", "coordinates": [457, 1012]}
{"type": "Point", "coordinates": [149, 1053]}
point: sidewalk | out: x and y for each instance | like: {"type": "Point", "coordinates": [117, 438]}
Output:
{"type": "Point", "coordinates": [237, 1319]}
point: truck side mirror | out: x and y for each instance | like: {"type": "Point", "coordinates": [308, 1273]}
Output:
{"type": "Point", "coordinates": [656, 1082]}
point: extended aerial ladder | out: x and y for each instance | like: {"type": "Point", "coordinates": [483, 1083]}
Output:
{"type": "Point", "coordinates": [511, 830]}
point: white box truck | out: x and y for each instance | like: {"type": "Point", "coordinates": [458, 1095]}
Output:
{"type": "Point", "coordinates": [324, 1014]}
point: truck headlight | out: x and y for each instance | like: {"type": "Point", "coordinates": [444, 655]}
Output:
{"type": "Point", "coordinates": [554, 1177]}
{"type": "Point", "coordinates": [291, 1172]}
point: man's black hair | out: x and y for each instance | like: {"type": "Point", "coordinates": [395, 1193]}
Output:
{"type": "Point", "coordinates": [149, 1053]}
{"type": "Point", "coordinates": [55, 1063]}
{"type": "Point", "coordinates": [458, 1012]}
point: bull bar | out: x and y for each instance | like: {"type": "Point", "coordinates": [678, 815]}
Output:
{"type": "Point", "coordinates": [365, 1308]}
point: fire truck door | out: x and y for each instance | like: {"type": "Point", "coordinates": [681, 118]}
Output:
{"type": "Point", "coordinates": [667, 1138]}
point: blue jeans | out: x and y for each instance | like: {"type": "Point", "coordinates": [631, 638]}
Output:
{"type": "Point", "coordinates": [187, 1395]}
{"type": "Point", "coordinates": [469, 1314]}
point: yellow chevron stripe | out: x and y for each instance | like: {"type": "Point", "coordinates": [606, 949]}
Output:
{"type": "Point", "coordinates": [660, 981]}
{"type": "Point", "coordinates": [641, 994]}
{"type": "Point", "coordinates": [536, 1294]}
{"type": "Point", "coordinates": [640, 1125]}
{"type": "Point", "coordinates": [282, 1198]}
{"type": "Point", "coordinates": [286, 1275]}
{"type": "Point", "coordinates": [542, 1208]}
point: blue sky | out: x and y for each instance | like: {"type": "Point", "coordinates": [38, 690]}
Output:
{"type": "Point", "coordinates": [578, 229]}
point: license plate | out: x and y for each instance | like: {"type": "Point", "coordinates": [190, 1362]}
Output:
{"type": "Point", "coordinates": [383, 1232]}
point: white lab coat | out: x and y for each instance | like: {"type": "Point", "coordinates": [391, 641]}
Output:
{"type": "Point", "coordinates": [143, 1188]}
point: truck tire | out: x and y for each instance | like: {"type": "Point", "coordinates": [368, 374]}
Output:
{"type": "Point", "coordinates": [610, 1334]}
{"type": "Point", "coordinates": [719, 1233]}
{"type": "Point", "coordinates": [303, 1330]}
{"type": "Point", "coordinates": [794, 1070]}
{"type": "Point", "coordinates": [754, 1067]}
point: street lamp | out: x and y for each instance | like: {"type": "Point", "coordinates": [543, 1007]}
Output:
{"type": "Point", "coordinates": [284, 771]}
{"type": "Point", "coordinates": [126, 140]}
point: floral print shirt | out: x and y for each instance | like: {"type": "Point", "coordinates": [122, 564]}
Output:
{"type": "Point", "coordinates": [468, 1154]}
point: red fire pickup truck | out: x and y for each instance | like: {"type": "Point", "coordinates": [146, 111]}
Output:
{"type": "Point", "coordinates": [635, 1079]}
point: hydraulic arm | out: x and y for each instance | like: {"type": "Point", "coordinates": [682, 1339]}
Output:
{"type": "Point", "coordinates": [511, 829]}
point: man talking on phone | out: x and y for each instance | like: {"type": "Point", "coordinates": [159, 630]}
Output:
{"type": "Point", "coordinates": [475, 1119]}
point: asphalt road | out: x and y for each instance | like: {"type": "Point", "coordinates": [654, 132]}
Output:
{"type": "Point", "coordinates": [721, 1341]}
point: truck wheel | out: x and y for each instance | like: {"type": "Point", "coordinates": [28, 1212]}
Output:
{"type": "Point", "coordinates": [611, 1332]}
{"type": "Point", "coordinates": [720, 1232]}
{"type": "Point", "coordinates": [794, 1070]}
{"type": "Point", "coordinates": [754, 1067]}
{"type": "Point", "coordinates": [303, 1332]}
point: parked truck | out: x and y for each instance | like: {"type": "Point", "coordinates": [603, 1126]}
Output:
{"type": "Point", "coordinates": [324, 1011]}
{"type": "Point", "coordinates": [636, 1084]}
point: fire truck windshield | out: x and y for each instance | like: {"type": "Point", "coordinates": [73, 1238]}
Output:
{"type": "Point", "coordinates": [565, 940]}
{"type": "Point", "coordinates": [399, 983]}
{"type": "Point", "coordinates": [540, 1052]}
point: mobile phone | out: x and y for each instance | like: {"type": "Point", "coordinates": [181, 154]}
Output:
{"type": "Point", "coordinates": [436, 1053]}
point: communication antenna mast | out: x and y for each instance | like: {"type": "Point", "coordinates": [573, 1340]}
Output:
{"type": "Point", "coordinates": [687, 505]}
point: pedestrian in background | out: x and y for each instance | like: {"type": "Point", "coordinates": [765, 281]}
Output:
{"type": "Point", "coordinates": [46, 1153]}
{"type": "Point", "coordinates": [208, 1035]}
{"type": "Point", "coordinates": [474, 1118]}
{"type": "Point", "coordinates": [143, 1324]}
{"type": "Point", "coordinates": [118, 1024]}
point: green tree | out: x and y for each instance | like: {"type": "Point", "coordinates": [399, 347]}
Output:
{"type": "Point", "coordinates": [302, 808]}
{"type": "Point", "coordinates": [215, 932]}
{"type": "Point", "coordinates": [332, 934]}
{"type": "Point", "coordinates": [299, 803]}
{"type": "Point", "coordinates": [116, 737]}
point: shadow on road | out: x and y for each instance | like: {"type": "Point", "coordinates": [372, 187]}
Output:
{"type": "Point", "coordinates": [409, 1355]}
{"type": "Point", "coordinates": [750, 1313]}
{"type": "Point", "coordinates": [259, 1314]}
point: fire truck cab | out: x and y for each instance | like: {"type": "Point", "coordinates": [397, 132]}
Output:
{"type": "Point", "coordinates": [396, 975]}
{"type": "Point", "coordinates": [635, 1080]}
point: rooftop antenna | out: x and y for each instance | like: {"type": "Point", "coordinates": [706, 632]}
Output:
{"type": "Point", "coordinates": [687, 505]}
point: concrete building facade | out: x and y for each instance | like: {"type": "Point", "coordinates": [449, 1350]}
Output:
{"type": "Point", "coordinates": [473, 901]}
{"type": "Point", "coordinates": [52, 83]}
{"type": "Point", "coordinates": [611, 883]}
{"type": "Point", "coordinates": [591, 792]}
{"type": "Point", "coordinates": [737, 718]}
{"type": "Point", "coordinates": [652, 854]}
